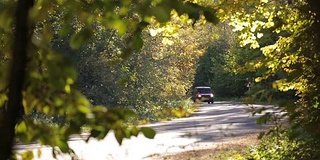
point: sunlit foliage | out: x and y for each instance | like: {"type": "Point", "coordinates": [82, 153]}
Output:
{"type": "Point", "coordinates": [284, 35]}
{"type": "Point", "coordinates": [49, 84]}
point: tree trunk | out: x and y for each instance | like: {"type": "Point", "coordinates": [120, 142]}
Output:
{"type": "Point", "coordinates": [14, 106]}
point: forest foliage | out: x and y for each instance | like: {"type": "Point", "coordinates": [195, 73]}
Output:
{"type": "Point", "coordinates": [283, 36]}
{"type": "Point", "coordinates": [39, 42]}
{"type": "Point", "coordinates": [103, 63]}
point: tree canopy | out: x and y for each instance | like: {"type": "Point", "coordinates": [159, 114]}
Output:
{"type": "Point", "coordinates": [284, 37]}
{"type": "Point", "coordinates": [36, 77]}
{"type": "Point", "coordinates": [85, 63]}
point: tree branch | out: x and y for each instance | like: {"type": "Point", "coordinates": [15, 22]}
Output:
{"type": "Point", "coordinates": [17, 74]}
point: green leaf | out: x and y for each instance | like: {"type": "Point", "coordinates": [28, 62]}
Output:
{"type": "Point", "coordinates": [6, 19]}
{"type": "Point", "coordinates": [134, 131]}
{"type": "Point", "coordinates": [126, 132]}
{"type": "Point", "coordinates": [67, 88]}
{"type": "Point", "coordinates": [95, 133]}
{"type": "Point", "coordinates": [39, 153]}
{"type": "Point", "coordinates": [211, 16]}
{"type": "Point", "coordinates": [78, 39]}
{"type": "Point", "coordinates": [28, 155]}
{"type": "Point", "coordinates": [3, 99]}
{"type": "Point", "coordinates": [161, 13]}
{"type": "Point", "coordinates": [47, 34]}
{"type": "Point", "coordinates": [120, 26]}
{"type": "Point", "coordinates": [119, 136]}
{"type": "Point", "coordinates": [148, 132]}
{"type": "Point", "coordinates": [137, 42]}
{"type": "Point", "coordinates": [264, 1]}
{"type": "Point", "coordinates": [63, 145]}
{"type": "Point", "coordinates": [84, 109]}
{"type": "Point", "coordinates": [46, 109]}
{"type": "Point", "coordinates": [65, 31]}
{"type": "Point", "coordinates": [61, 1]}
{"type": "Point", "coordinates": [99, 133]}
{"type": "Point", "coordinates": [22, 127]}
{"type": "Point", "coordinates": [316, 103]}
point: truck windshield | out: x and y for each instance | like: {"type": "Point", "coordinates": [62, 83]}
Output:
{"type": "Point", "coordinates": [204, 90]}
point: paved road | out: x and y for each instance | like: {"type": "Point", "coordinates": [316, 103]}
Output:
{"type": "Point", "coordinates": [213, 123]}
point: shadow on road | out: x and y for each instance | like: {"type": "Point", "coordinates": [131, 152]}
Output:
{"type": "Point", "coordinates": [213, 122]}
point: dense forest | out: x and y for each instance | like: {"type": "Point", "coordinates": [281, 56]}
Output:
{"type": "Point", "coordinates": [109, 65]}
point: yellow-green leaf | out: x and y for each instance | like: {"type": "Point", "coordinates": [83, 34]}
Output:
{"type": "Point", "coordinates": [28, 155]}
{"type": "Point", "coordinates": [84, 109]}
{"type": "Point", "coordinates": [119, 136]}
{"type": "Point", "coordinates": [148, 132]}
{"type": "Point", "coordinates": [39, 153]}
{"type": "Point", "coordinates": [46, 109]}
{"type": "Point", "coordinates": [67, 88]}
{"type": "Point", "coordinates": [22, 127]}
{"type": "Point", "coordinates": [264, 1]}
{"type": "Point", "coordinates": [63, 146]}
{"type": "Point", "coordinates": [134, 131]}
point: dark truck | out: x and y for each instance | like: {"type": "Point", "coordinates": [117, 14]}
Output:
{"type": "Point", "coordinates": [203, 94]}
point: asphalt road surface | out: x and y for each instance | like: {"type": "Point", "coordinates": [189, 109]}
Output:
{"type": "Point", "coordinates": [212, 124]}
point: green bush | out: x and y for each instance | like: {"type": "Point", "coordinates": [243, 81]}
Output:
{"type": "Point", "coordinates": [283, 145]}
{"type": "Point", "coordinates": [276, 146]}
